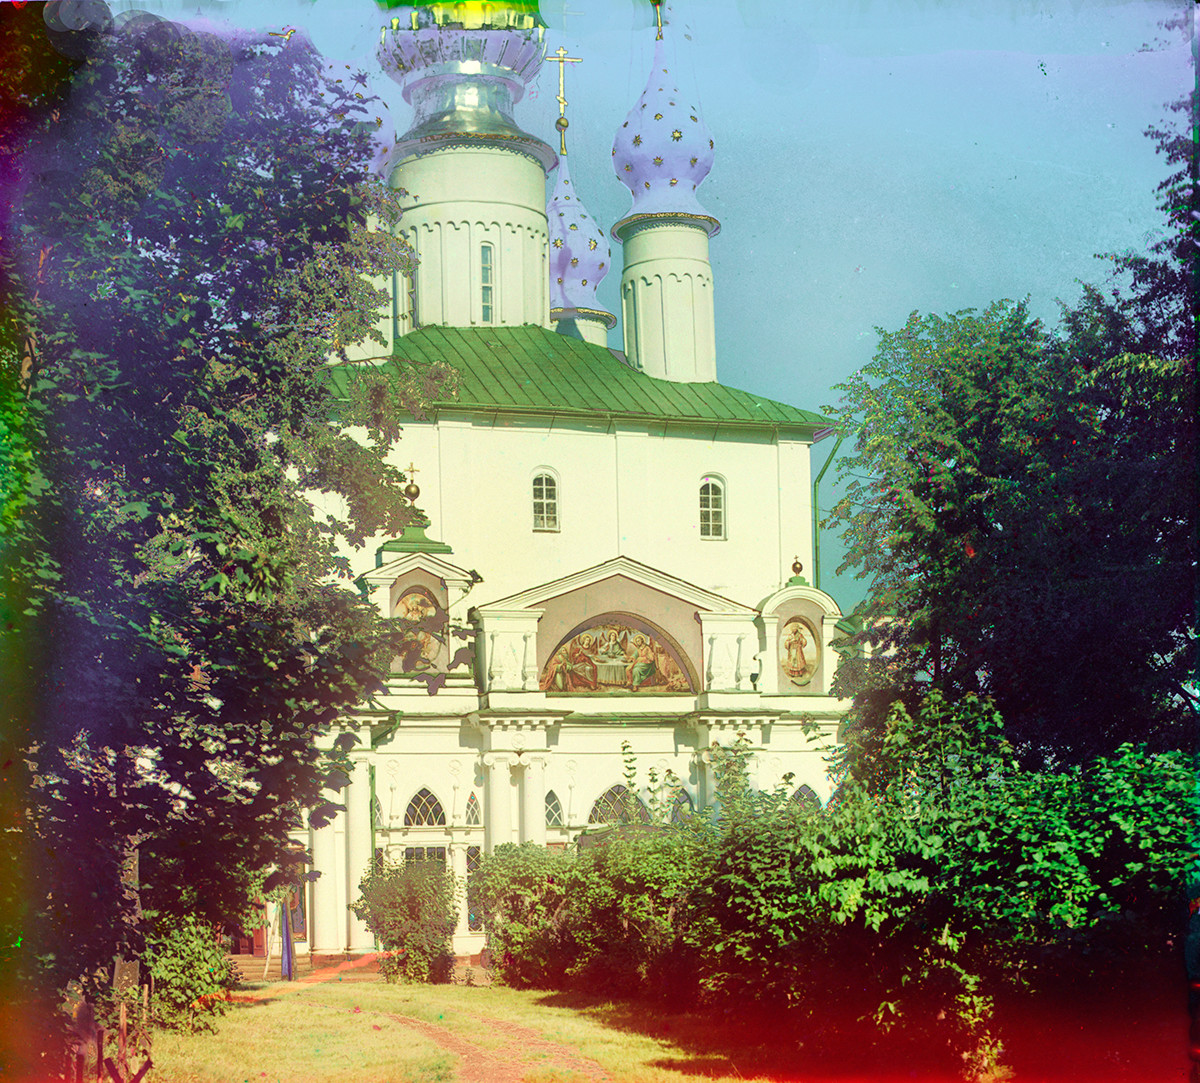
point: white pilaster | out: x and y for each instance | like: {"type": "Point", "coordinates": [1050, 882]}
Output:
{"type": "Point", "coordinates": [533, 798]}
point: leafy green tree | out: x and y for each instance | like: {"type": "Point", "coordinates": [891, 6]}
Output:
{"type": "Point", "coordinates": [1027, 525]}
{"type": "Point", "coordinates": [185, 250]}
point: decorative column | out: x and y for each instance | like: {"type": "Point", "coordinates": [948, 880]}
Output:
{"type": "Point", "coordinates": [458, 865]}
{"type": "Point", "coordinates": [497, 813]}
{"type": "Point", "coordinates": [325, 938]}
{"type": "Point", "coordinates": [358, 803]}
{"type": "Point", "coordinates": [533, 798]}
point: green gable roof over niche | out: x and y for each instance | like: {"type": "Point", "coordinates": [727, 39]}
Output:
{"type": "Point", "coordinates": [535, 370]}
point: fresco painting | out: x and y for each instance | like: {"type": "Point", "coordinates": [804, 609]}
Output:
{"type": "Point", "coordinates": [615, 656]}
{"type": "Point", "coordinates": [421, 643]}
{"type": "Point", "coordinates": [799, 651]}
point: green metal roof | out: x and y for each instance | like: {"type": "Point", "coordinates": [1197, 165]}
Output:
{"type": "Point", "coordinates": [536, 370]}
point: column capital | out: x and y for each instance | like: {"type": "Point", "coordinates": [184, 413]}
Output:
{"type": "Point", "coordinates": [500, 759]}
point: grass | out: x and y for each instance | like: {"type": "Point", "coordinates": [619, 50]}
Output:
{"type": "Point", "coordinates": [283, 1037]}
{"type": "Point", "coordinates": [334, 1031]}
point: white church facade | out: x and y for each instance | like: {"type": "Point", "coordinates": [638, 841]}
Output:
{"type": "Point", "coordinates": [612, 550]}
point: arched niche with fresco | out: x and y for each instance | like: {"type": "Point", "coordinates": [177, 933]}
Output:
{"type": "Point", "coordinates": [797, 622]}
{"type": "Point", "coordinates": [618, 654]}
{"type": "Point", "coordinates": [419, 611]}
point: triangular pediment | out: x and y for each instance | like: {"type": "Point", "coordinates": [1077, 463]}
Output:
{"type": "Point", "coordinates": [406, 563]}
{"type": "Point", "coordinates": [628, 569]}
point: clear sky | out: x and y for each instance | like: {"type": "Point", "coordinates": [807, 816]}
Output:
{"type": "Point", "coordinates": [873, 157]}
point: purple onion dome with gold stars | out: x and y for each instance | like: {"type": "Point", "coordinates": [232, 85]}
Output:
{"type": "Point", "coordinates": [579, 253]}
{"type": "Point", "coordinates": [664, 150]}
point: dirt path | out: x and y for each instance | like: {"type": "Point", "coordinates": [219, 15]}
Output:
{"type": "Point", "coordinates": [525, 1051]}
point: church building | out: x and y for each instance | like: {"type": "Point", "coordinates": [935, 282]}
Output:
{"type": "Point", "coordinates": [610, 565]}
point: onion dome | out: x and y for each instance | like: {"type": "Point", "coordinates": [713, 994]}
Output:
{"type": "Point", "coordinates": [463, 66]}
{"type": "Point", "coordinates": [664, 150]}
{"type": "Point", "coordinates": [579, 251]}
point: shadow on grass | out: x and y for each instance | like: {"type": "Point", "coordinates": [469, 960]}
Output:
{"type": "Point", "coordinates": [1128, 1028]}
{"type": "Point", "coordinates": [757, 1044]}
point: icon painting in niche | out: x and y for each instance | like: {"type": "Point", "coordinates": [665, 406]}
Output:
{"type": "Point", "coordinates": [799, 651]}
{"type": "Point", "coordinates": [425, 619]}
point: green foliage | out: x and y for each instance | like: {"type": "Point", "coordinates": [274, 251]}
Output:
{"type": "Point", "coordinates": [192, 974]}
{"type": "Point", "coordinates": [187, 241]}
{"type": "Point", "coordinates": [412, 908]}
{"type": "Point", "coordinates": [1027, 524]}
{"type": "Point", "coordinates": [522, 892]}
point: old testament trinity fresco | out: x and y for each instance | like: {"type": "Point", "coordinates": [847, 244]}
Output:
{"type": "Point", "coordinates": [618, 654]}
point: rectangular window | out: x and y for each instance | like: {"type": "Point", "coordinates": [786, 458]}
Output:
{"type": "Point", "coordinates": [486, 277]}
{"type": "Point", "coordinates": [425, 853]}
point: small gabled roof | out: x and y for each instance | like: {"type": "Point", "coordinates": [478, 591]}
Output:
{"type": "Point", "coordinates": [534, 370]}
{"type": "Point", "coordinates": [632, 569]}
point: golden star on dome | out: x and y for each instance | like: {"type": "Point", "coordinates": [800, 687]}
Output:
{"type": "Point", "coordinates": [677, 135]}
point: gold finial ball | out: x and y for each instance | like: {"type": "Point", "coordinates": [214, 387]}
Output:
{"type": "Point", "coordinates": [797, 567]}
{"type": "Point", "coordinates": [411, 492]}
{"type": "Point", "coordinates": [562, 124]}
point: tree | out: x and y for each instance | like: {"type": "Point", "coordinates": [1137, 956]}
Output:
{"type": "Point", "coordinates": [1028, 527]}
{"type": "Point", "coordinates": [188, 232]}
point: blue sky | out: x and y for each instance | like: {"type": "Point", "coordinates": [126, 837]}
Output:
{"type": "Point", "coordinates": [873, 157]}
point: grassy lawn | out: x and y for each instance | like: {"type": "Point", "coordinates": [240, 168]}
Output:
{"type": "Point", "coordinates": [289, 1034]}
{"type": "Point", "coordinates": [335, 1030]}
{"type": "Point", "coordinates": [283, 1037]}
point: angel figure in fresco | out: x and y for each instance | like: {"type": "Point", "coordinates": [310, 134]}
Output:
{"type": "Point", "coordinates": [572, 668]}
{"type": "Point", "coordinates": [642, 669]}
{"type": "Point", "coordinates": [581, 666]}
{"type": "Point", "coordinates": [611, 649]}
{"type": "Point", "coordinates": [795, 664]}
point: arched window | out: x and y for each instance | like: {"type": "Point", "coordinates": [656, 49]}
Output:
{"type": "Point", "coordinates": [545, 503]}
{"type": "Point", "coordinates": [473, 818]}
{"type": "Point", "coordinates": [554, 812]}
{"type": "Point", "coordinates": [618, 805]}
{"type": "Point", "coordinates": [712, 508]}
{"type": "Point", "coordinates": [681, 807]}
{"type": "Point", "coordinates": [487, 282]}
{"type": "Point", "coordinates": [424, 810]}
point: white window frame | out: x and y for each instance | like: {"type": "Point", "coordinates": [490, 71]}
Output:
{"type": "Point", "coordinates": [707, 533]}
{"type": "Point", "coordinates": [487, 282]}
{"type": "Point", "coordinates": [542, 522]}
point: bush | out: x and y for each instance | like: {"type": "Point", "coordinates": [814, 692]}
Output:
{"type": "Point", "coordinates": [412, 908]}
{"type": "Point", "coordinates": [192, 974]}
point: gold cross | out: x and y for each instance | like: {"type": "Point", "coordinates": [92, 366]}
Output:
{"type": "Point", "coordinates": [411, 470]}
{"type": "Point", "coordinates": [562, 61]}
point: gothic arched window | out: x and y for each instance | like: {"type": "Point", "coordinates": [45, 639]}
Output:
{"type": "Point", "coordinates": [681, 806]}
{"type": "Point", "coordinates": [618, 805]}
{"type": "Point", "coordinates": [424, 810]}
{"type": "Point", "coordinates": [712, 508]}
{"type": "Point", "coordinates": [554, 812]}
{"type": "Point", "coordinates": [545, 502]}
{"type": "Point", "coordinates": [473, 817]}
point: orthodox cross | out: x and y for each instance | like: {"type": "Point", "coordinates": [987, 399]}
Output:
{"type": "Point", "coordinates": [562, 60]}
{"type": "Point", "coordinates": [564, 12]}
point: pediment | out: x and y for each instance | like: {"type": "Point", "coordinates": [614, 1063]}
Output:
{"type": "Point", "coordinates": [623, 570]}
{"type": "Point", "coordinates": [429, 563]}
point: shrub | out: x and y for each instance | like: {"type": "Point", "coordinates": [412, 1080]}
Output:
{"type": "Point", "coordinates": [412, 910]}
{"type": "Point", "coordinates": [192, 974]}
